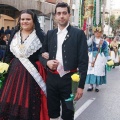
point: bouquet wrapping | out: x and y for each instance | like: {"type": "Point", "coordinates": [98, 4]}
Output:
{"type": "Point", "coordinates": [75, 82]}
{"type": "Point", "coordinates": [3, 71]}
{"type": "Point", "coordinates": [70, 103]}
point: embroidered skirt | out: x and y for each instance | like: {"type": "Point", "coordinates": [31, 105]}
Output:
{"type": "Point", "coordinates": [20, 97]}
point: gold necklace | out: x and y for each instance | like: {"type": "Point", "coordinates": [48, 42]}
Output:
{"type": "Point", "coordinates": [22, 46]}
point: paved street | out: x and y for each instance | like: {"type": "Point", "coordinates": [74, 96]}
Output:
{"type": "Point", "coordinates": [104, 105]}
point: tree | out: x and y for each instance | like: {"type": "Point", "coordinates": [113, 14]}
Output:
{"type": "Point", "coordinates": [114, 23]}
{"type": "Point", "coordinates": [117, 26]}
{"type": "Point", "coordinates": [112, 20]}
{"type": "Point", "coordinates": [118, 22]}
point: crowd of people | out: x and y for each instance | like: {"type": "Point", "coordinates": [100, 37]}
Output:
{"type": "Point", "coordinates": [4, 37]}
{"type": "Point", "coordinates": [41, 65]}
{"type": "Point", "coordinates": [7, 31]}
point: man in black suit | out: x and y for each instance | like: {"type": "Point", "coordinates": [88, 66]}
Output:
{"type": "Point", "coordinates": [68, 51]}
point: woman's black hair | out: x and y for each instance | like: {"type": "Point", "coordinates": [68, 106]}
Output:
{"type": "Point", "coordinates": [39, 32]}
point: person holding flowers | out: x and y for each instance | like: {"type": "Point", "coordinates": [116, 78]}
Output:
{"type": "Point", "coordinates": [98, 56]}
{"type": "Point", "coordinates": [23, 93]}
{"type": "Point", "coordinates": [98, 52]}
{"type": "Point", "coordinates": [67, 48]}
{"type": "Point", "coordinates": [114, 53]}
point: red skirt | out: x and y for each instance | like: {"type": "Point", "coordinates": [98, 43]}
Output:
{"type": "Point", "coordinates": [21, 98]}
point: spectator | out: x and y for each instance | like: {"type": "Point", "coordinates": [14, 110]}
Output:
{"type": "Point", "coordinates": [8, 31]}
{"type": "Point", "coordinates": [2, 31]}
{"type": "Point", "coordinates": [3, 43]}
{"type": "Point", "coordinates": [12, 30]}
{"type": "Point", "coordinates": [3, 39]}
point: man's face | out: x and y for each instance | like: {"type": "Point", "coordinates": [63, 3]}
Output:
{"type": "Point", "coordinates": [62, 16]}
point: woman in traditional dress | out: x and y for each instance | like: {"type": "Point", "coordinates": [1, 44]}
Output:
{"type": "Point", "coordinates": [24, 90]}
{"type": "Point", "coordinates": [98, 52]}
{"type": "Point", "coordinates": [119, 48]}
{"type": "Point", "coordinates": [114, 51]}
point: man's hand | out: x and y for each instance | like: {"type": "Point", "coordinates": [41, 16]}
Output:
{"type": "Point", "coordinates": [45, 55]}
{"type": "Point", "coordinates": [52, 64]}
{"type": "Point", "coordinates": [101, 42]}
{"type": "Point", "coordinates": [78, 94]}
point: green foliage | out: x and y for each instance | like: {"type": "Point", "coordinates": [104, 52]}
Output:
{"type": "Point", "coordinates": [114, 23]}
{"type": "Point", "coordinates": [118, 22]}
{"type": "Point", "coordinates": [112, 19]}
{"type": "Point", "coordinates": [2, 78]}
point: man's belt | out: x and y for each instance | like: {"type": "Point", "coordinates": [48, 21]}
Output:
{"type": "Point", "coordinates": [56, 72]}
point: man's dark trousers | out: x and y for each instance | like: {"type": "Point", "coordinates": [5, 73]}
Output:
{"type": "Point", "coordinates": [59, 89]}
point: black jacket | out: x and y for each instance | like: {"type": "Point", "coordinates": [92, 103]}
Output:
{"type": "Point", "coordinates": [74, 51]}
{"type": "Point", "coordinates": [2, 42]}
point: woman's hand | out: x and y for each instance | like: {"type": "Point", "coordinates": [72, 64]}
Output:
{"type": "Point", "coordinates": [45, 55]}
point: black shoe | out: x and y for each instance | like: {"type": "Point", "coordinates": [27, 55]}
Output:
{"type": "Point", "coordinates": [113, 67]}
{"type": "Point", "coordinates": [90, 89]}
{"type": "Point", "coordinates": [96, 90]}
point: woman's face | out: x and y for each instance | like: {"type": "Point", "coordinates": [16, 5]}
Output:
{"type": "Point", "coordinates": [98, 34]}
{"type": "Point", "coordinates": [26, 22]}
{"type": "Point", "coordinates": [5, 38]}
{"type": "Point", "coordinates": [116, 39]}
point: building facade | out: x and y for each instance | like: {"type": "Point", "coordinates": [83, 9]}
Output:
{"type": "Point", "coordinates": [10, 10]}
